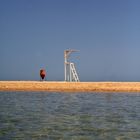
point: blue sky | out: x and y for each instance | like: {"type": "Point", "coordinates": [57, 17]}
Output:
{"type": "Point", "coordinates": [35, 33]}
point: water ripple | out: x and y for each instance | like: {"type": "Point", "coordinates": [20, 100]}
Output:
{"type": "Point", "coordinates": [40, 115]}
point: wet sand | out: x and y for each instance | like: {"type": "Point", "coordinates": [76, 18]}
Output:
{"type": "Point", "coordinates": [70, 86]}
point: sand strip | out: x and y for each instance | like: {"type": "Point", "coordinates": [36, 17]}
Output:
{"type": "Point", "coordinates": [70, 86]}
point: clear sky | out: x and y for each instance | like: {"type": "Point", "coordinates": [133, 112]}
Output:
{"type": "Point", "coordinates": [35, 33]}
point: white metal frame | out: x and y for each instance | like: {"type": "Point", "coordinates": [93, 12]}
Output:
{"type": "Point", "coordinates": [69, 68]}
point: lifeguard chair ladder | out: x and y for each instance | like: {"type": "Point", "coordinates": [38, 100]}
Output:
{"type": "Point", "coordinates": [74, 75]}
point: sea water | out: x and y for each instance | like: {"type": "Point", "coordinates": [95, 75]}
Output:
{"type": "Point", "coordinates": [69, 116]}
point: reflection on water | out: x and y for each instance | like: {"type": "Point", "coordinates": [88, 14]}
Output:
{"type": "Point", "coordinates": [40, 115]}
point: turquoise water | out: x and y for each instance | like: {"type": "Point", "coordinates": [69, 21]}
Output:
{"type": "Point", "coordinates": [78, 116]}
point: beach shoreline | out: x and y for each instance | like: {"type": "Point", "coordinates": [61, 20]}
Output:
{"type": "Point", "coordinates": [61, 86]}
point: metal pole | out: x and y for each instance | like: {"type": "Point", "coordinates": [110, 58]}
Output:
{"type": "Point", "coordinates": [70, 72]}
{"type": "Point", "coordinates": [65, 65]}
{"type": "Point", "coordinates": [65, 73]}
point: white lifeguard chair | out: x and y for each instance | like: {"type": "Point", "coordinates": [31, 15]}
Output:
{"type": "Point", "coordinates": [69, 68]}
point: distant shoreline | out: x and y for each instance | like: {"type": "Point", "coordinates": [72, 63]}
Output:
{"type": "Point", "coordinates": [58, 86]}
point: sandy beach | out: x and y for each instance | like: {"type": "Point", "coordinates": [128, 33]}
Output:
{"type": "Point", "coordinates": [53, 86]}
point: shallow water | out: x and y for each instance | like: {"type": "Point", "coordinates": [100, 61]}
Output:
{"type": "Point", "coordinates": [78, 116]}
